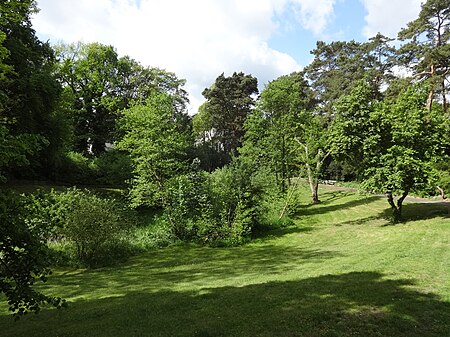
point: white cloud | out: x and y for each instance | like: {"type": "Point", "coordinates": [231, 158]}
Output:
{"type": "Point", "coordinates": [197, 39]}
{"type": "Point", "coordinates": [389, 16]}
{"type": "Point", "coordinates": [315, 15]}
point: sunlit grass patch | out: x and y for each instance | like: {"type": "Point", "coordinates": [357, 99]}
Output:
{"type": "Point", "coordinates": [339, 270]}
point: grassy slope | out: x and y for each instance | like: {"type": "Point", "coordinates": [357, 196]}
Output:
{"type": "Point", "coordinates": [338, 272]}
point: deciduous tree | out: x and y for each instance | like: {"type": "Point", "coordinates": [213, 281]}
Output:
{"type": "Point", "coordinates": [157, 142]}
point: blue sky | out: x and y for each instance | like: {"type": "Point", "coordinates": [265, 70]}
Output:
{"type": "Point", "coordinates": [347, 24]}
{"type": "Point", "coordinates": [200, 39]}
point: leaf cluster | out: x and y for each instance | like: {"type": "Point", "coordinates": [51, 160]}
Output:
{"type": "Point", "coordinates": [24, 257]}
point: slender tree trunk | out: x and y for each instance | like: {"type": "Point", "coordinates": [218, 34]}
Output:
{"type": "Point", "coordinates": [283, 164]}
{"type": "Point", "coordinates": [313, 173]}
{"type": "Point", "coordinates": [430, 100]}
{"type": "Point", "coordinates": [444, 98]}
{"type": "Point", "coordinates": [431, 93]}
{"type": "Point", "coordinates": [442, 192]}
{"type": "Point", "coordinates": [314, 185]}
{"type": "Point", "coordinates": [396, 208]}
{"type": "Point", "coordinates": [288, 198]}
{"type": "Point", "coordinates": [400, 203]}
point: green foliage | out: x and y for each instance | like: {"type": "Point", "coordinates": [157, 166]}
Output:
{"type": "Point", "coordinates": [234, 212]}
{"type": "Point", "coordinates": [28, 94]}
{"type": "Point", "coordinates": [24, 256]}
{"type": "Point", "coordinates": [228, 103]}
{"type": "Point", "coordinates": [338, 66]}
{"type": "Point", "coordinates": [157, 141]}
{"type": "Point", "coordinates": [218, 208]}
{"type": "Point", "coordinates": [93, 224]}
{"type": "Point", "coordinates": [111, 168]}
{"type": "Point", "coordinates": [91, 73]}
{"type": "Point", "coordinates": [101, 84]}
{"type": "Point", "coordinates": [271, 129]}
{"type": "Point", "coordinates": [407, 142]}
{"type": "Point", "coordinates": [351, 127]}
{"type": "Point", "coordinates": [76, 168]}
{"type": "Point", "coordinates": [395, 144]}
{"type": "Point", "coordinates": [189, 205]}
{"type": "Point", "coordinates": [43, 214]}
{"type": "Point", "coordinates": [16, 150]}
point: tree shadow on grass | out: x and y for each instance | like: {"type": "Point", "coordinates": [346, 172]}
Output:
{"type": "Point", "coordinates": [424, 211]}
{"type": "Point", "coordinates": [415, 211]}
{"type": "Point", "coordinates": [268, 233]}
{"type": "Point", "coordinates": [411, 212]}
{"type": "Point", "coordinates": [353, 304]}
{"type": "Point", "coordinates": [178, 266]}
{"type": "Point", "coordinates": [326, 207]}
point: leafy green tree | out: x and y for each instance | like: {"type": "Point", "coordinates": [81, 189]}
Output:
{"type": "Point", "coordinates": [272, 127]}
{"type": "Point", "coordinates": [29, 92]}
{"type": "Point", "coordinates": [28, 95]}
{"type": "Point", "coordinates": [157, 142]}
{"type": "Point", "coordinates": [313, 149]}
{"type": "Point", "coordinates": [285, 134]}
{"type": "Point", "coordinates": [91, 72]}
{"type": "Point", "coordinates": [406, 145]}
{"type": "Point", "coordinates": [102, 84]}
{"type": "Point", "coordinates": [24, 257]}
{"type": "Point", "coordinates": [396, 143]}
{"type": "Point", "coordinates": [351, 126]}
{"type": "Point", "coordinates": [15, 150]}
{"type": "Point", "coordinates": [228, 102]}
{"type": "Point", "coordinates": [427, 52]}
{"type": "Point", "coordinates": [207, 146]}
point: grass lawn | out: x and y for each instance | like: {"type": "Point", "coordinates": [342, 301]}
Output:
{"type": "Point", "coordinates": [339, 271]}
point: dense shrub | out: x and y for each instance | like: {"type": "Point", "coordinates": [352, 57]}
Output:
{"type": "Point", "coordinates": [188, 203]}
{"type": "Point", "coordinates": [94, 225]}
{"type": "Point", "coordinates": [220, 208]}
{"type": "Point", "coordinates": [42, 214]}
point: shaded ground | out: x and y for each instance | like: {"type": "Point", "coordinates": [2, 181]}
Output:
{"type": "Point", "coordinates": [337, 272]}
{"type": "Point", "coordinates": [352, 304]}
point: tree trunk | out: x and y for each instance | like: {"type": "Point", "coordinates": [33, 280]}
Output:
{"type": "Point", "coordinates": [444, 98]}
{"type": "Point", "coordinates": [431, 93]}
{"type": "Point", "coordinates": [313, 185]}
{"type": "Point", "coordinates": [400, 203]}
{"type": "Point", "coordinates": [442, 192]}
{"type": "Point", "coordinates": [313, 172]}
{"type": "Point", "coordinates": [283, 165]}
{"type": "Point", "coordinates": [314, 191]}
{"type": "Point", "coordinates": [396, 208]}
{"type": "Point", "coordinates": [430, 100]}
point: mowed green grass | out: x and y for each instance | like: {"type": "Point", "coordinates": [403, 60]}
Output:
{"type": "Point", "coordinates": [341, 270]}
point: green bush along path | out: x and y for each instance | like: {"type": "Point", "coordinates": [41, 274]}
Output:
{"type": "Point", "coordinates": [340, 270]}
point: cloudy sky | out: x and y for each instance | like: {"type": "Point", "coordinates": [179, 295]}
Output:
{"type": "Point", "coordinates": [200, 39]}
